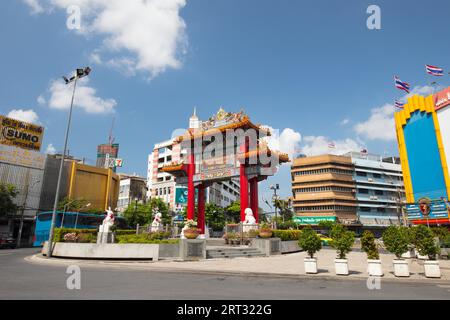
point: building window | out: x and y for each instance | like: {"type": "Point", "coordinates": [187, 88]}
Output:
{"type": "Point", "coordinates": [363, 191]}
{"type": "Point", "coordinates": [379, 192]}
{"type": "Point", "coordinates": [361, 174]}
{"type": "Point", "coordinates": [365, 209]}
{"type": "Point", "coordinates": [377, 175]}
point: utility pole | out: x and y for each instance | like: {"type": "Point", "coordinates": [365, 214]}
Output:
{"type": "Point", "coordinates": [27, 186]}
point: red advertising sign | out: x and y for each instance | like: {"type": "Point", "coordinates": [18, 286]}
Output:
{"type": "Point", "coordinates": [442, 98]}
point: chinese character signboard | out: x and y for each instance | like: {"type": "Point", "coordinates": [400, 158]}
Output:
{"type": "Point", "coordinates": [20, 134]}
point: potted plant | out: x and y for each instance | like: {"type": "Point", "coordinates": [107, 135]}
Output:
{"type": "Point", "coordinates": [265, 231]}
{"type": "Point", "coordinates": [310, 242]}
{"type": "Point", "coordinates": [369, 246]}
{"type": "Point", "coordinates": [342, 241]}
{"type": "Point", "coordinates": [232, 237]}
{"type": "Point", "coordinates": [192, 231]}
{"type": "Point", "coordinates": [425, 243]}
{"type": "Point", "coordinates": [225, 237]}
{"type": "Point", "coordinates": [397, 240]}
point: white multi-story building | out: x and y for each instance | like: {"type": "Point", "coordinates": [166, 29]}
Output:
{"type": "Point", "coordinates": [163, 185]}
{"type": "Point", "coordinates": [380, 192]}
{"type": "Point", "coordinates": [132, 189]}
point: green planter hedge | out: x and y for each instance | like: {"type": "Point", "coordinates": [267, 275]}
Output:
{"type": "Point", "coordinates": [287, 235]}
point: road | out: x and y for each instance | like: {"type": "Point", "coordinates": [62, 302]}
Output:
{"type": "Point", "coordinates": [20, 279]}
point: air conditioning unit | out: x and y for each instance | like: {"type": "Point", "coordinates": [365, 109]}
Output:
{"type": "Point", "coordinates": [370, 180]}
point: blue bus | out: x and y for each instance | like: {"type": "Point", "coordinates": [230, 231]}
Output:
{"type": "Point", "coordinates": [82, 220]}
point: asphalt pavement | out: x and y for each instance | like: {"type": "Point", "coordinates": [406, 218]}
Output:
{"type": "Point", "coordinates": [21, 279]}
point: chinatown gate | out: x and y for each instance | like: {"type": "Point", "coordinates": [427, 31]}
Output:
{"type": "Point", "coordinates": [226, 146]}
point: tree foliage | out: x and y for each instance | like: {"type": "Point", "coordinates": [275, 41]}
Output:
{"type": "Point", "coordinates": [284, 211]}
{"type": "Point", "coordinates": [143, 214]}
{"type": "Point", "coordinates": [76, 205]}
{"type": "Point", "coordinates": [214, 216]}
{"type": "Point", "coordinates": [423, 238]}
{"type": "Point", "coordinates": [343, 240]}
{"type": "Point", "coordinates": [7, 194]}
{"type": "Point", "coordinates": [369, 246]}
{"type": "Point", "coordinates": [233, 212]}
{"type": "Point", "coordinates": [309, 241]}
{"type": "Point", "coordinates": [397, 240]}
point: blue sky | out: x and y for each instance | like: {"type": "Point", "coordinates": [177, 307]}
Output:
{"type": "Point", "coordinates": [311, 66]}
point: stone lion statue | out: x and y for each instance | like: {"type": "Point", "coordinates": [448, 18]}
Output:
{"type": "Point", "coordinates": [108, 222]}
{"type": "Point", "coordinates": [156, 224]}
{"type": "Point", "coordinates": [250, 221]}
{"type": "Point", "coordinates": [249, 218]}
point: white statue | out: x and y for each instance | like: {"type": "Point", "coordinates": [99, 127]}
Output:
{"type": "Point", "coordinates": [108, 222]}
{"type": "Point", "coordinates": [156, 224]}
{"type": "Point", "coordinates": [250, 221]}
{"type": "Point", "coordinates": [182, 236]}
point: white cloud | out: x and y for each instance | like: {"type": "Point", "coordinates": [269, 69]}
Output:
{"type": "Point", "coordinates": [41, 100]}
{"type": "Point", "coordinates": [317, 145]}
{"type": "Point", "coordinates": [85, 97]}
{"type": "Point", "coordinates": [345, 121]}
{"type": "Point", "coordinates": [24, 115]}
{"type": "Point", "coordinates": [287, 142]}
{"type": "Point", "coordinates": [35, 6]}
{"type": "Point", "coordinates": [146, 36]}
{"type": "Point", "coordinates": [50, 149]}
{"type": "Point", "coordinates": [381, 124]}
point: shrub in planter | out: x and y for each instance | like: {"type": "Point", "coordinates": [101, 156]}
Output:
{"type": "Point", "coordinates": [369, 246]}
{"type": "Point", "coordinates": [253, 233]}
{"type": "Point", "coordinates": [287, 235]}
{"type": "Point", "coordinates": [425, 243]}
{"type": "Point", "coordinates": [311, 243]}
{"type": "Point", "coordinates": [342, 241]}
{"type": "Point", "coordinates": [86, 238]}
{"type": "Point", "coordinates": [397, 240]}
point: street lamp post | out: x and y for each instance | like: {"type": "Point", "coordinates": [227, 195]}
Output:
{"type": "Point", "coordinates": [275, 188]}
{"type": "Point", "coordinates": [76, 219]}
{"type": "Point", "coordinates": [79, 74]}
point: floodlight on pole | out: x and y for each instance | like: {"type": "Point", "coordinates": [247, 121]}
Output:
{"type": "Point", "coordinates": [80, 73]}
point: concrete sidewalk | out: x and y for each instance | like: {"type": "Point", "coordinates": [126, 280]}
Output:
{"type": "Point", "coordinates": [289, 265]}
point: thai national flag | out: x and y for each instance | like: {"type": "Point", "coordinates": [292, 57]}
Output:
{"type": "Point", "coordinates": [399, 104]}
{"type": "Point", "coordinates": [399, 84]}
{"type": "Point", "coordinates": [434, 71]}
{"type": "Point", "coordinates": [331, 145]}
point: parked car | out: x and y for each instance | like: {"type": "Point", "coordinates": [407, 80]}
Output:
{"type": "Point", "coordinates": [7, 242]}
{"type": "Point", "coordinates": [325, 240]}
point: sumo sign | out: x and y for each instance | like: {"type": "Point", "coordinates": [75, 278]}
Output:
{"type": "Point", "coordinates": [20, 134]}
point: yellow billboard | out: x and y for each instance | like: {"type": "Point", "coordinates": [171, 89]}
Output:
{"type": "Point", "coordinates": [20, 134]}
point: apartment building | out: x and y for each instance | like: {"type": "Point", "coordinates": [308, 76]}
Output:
{"type": "Point", "coordinates": [356, 189]}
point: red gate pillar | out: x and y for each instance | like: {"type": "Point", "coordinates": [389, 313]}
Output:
{"type": "Point", "coordinates": [243, 182]}
{"type": "Point", "coordinates": [254, 197]}
{"type": "Point", "coordinates": [191, 188]}
{"type": "Point", "coordinates": [201, 209]}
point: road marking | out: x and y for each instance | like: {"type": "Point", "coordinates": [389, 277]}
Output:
{"type": "Point", "coordinates": [6, 254]}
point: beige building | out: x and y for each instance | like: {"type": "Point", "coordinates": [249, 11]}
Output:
{"type": "Point", "coordinates": [323, 189]}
